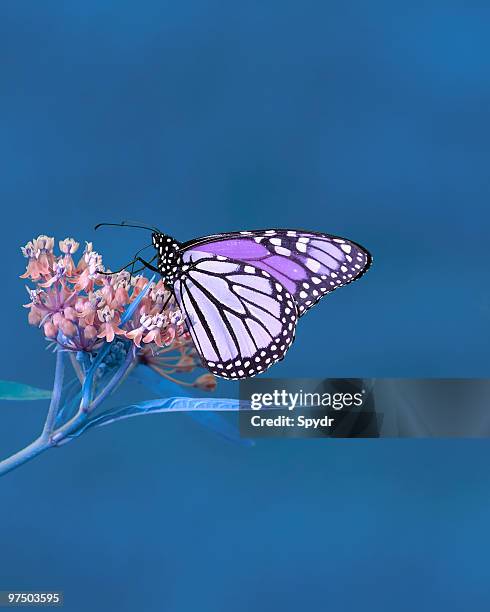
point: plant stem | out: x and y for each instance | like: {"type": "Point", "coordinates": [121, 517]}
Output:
{"type": "Point", "coordinates": [76, 367]}
{"type": "Point", "coordinates": [48, 438]}
{"type": "Point", "coordinates": [55, 396]}
{"type": "Point", "coordinates": [43, 442]}
{"type": "Point", "coordinates": [87, 406]}
{"type": "Point", "coordinates": [24, 455]}
{"type": "Point", "coordinates": [115, 380]}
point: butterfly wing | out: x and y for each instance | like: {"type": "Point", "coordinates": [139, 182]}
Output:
{"type": "Point", "coordinates": [241, 319]}
{"type": "Point", "coordinates": [307, 264]}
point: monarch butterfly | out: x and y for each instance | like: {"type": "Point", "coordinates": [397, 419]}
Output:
{"type": "Point", "coordinates": [242, 293]}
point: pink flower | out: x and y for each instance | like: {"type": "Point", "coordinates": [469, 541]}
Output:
{"type": "Point", "coordinates": [91, 265]}
{"type": "Point", "coordinates": [46, 304]}
{"type": "Point", "coordinates": [120, 284]}
{"type": "Point", "coordinates": [68, 246]}
{"type": "Point", "coordinates": [153, 336]}
{"type": "Point", "coordinates": [159, 294]}
{"type": "Point", "coordinates": [153, 328]}
{"type": "Point", "coordinates": [109, 324]}
{"type": "Point", "coordinates": [90, 332]}
{"type": "Point", "coordinates": [67, 327]}
{"type": "Point", "coordinates": [50, 330]}
{"type": "Point", "coordinates": [147, 325]}
{"type": "Point", "coordinates": [59, 273]}
{"type": "Point", "coordinates": [70, 314]}
{"type": "Point", "coordinates": [136, 335]}
{"type": "Point", "coordinates": [35, 316]}
{"type": "Point", "coordinates": [40, 255]}
{"type": "Point", "coordinates": [121, 297]}
{"type": "Point", "coordinates": [138, 283]}
{"type": "Point", "coordinates": [86, 306]}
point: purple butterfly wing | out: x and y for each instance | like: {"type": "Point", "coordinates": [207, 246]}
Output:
{"type": "Point", "coordinates": [307, 264]}
{"type": "Point", "coordinates": [241, 319]}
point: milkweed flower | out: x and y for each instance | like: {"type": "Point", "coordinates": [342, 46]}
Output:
{"type": "Point", "coordinates": [80, 306]}
{"type": "Point", "coordinates": [39, 252]}
{"type": "Point", "coordinates": [68, 246]}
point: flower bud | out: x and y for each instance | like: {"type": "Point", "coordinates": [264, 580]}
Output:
{"type": "Point", "coordinates": [206, 382]}
{"type": "Point", "coordinates": [70, 314]}
{"type": "Point", "coordinates": [50, 330]}
{"type": "Point", "coordinates": [68, 328]}
{"type": "Point", "coordinates": [34, 316]}
{"type": "Point", "coordinates": [57, 318]}
{"type": "Point", "coordinates": [80, 304]}
{"type": "Point", "coordinates": [90, 332]}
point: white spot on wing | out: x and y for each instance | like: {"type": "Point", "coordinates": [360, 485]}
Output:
{"type": "Point", "coordinates": [213, 266]}
{"type": "Point", "coordinates": [313, 265]}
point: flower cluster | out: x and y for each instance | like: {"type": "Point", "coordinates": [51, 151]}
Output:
{"type": "Point", "coordinates": [80, 306]}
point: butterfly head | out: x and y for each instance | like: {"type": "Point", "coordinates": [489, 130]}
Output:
{"type": "Point", "coordinates": [169, 257]}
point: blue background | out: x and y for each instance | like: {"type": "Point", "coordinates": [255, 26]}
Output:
{"type": "Point", "coordinates": [364, 119]}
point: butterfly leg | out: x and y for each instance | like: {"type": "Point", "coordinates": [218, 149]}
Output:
{"type": "Point", "coordinates": [147, 264]}
{"type": "Point", "coordinates": [132, 271]}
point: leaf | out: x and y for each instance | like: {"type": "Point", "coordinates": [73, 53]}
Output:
{"type": "Point", "coordinates": [10, 390]}
{"type": "Point", "coordinates": [167, 404]}
{"type": "Point", "coordinates": [206, 418]}
{"type": "Point", "coordinates": [171, 404]}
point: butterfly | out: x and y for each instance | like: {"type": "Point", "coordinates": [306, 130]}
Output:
{"type": "Point", "coordinates": [242, 293]}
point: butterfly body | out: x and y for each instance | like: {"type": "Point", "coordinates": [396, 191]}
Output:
{"type": "Point", "coordinates": [242, 293]}
{"type": "Point", "coordinates": [169, 256]}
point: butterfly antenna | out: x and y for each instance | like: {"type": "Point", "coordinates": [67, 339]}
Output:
{"type": "Point", "coordinates": [135, 222]}
{"type": "Point", "coordinates": [126, 224]}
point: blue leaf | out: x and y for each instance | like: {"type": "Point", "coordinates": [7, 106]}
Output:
{"type": "Point", "coordinates": [10, 390]}
{"type": "Point", "coordinates": [168, 404]}
{"type": "Point", "coordinates": [208, 419]}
